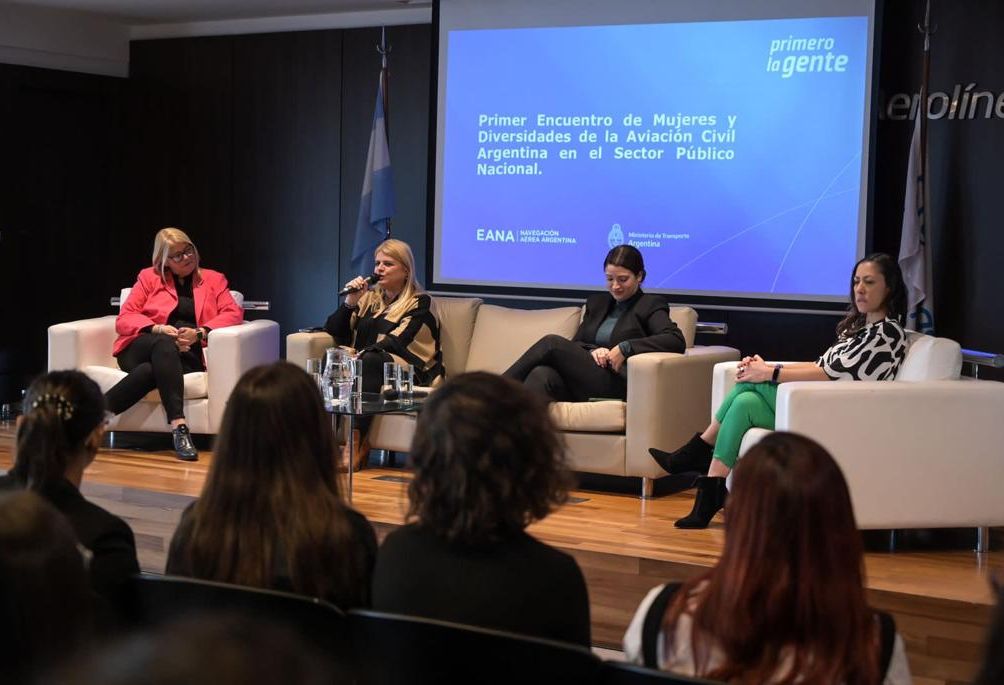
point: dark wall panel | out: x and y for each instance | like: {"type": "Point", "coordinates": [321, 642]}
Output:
{"type": "Point", "coordinates": [60, 210]}
{"type": "Point", "coordinates": [285, 193]}
{"type": "Point", "coordinates": [181, 124]}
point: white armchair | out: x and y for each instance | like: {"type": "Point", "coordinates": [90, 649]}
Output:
{"type": "Point", "coordinates": [923, 451]}
{"type": "Point", "coordinates": [87, 345]}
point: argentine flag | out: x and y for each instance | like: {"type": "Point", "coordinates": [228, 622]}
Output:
{"type": "Point", "coordinates": [377, 204]}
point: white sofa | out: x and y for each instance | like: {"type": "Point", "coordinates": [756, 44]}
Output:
{"type": "Point", "coordinates": [923, 451]}
{"type": "Point", "coordinates": [87, 345]}
{"type": "Point", "coordinates": [669, 394]}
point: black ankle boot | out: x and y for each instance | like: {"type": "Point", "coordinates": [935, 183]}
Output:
{"type": "Point", "coordinates": [711, 494]}
{"type": "Point", "coordinates": [695, 456]}
{"type": "Point", "coordinates": [183, 444]}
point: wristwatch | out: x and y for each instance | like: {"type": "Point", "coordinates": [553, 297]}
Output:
{"type": "Point", "coordinates": [777, 373]}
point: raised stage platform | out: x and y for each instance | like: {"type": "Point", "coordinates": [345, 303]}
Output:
{"type": "Point", "coordinates": [941, 599]}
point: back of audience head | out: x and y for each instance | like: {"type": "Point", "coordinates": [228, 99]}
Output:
{"type": "Point", "coordinates": [61, 428]}
{"type": "Point", "coordinates": [271, 496]}
{"type": "Point", "coordinates": [791, 572]}
{"type": "Point", "coordinates": [488, 461]}
{"type": "Point", "coordinates": [45, 601]}
{"type": "Point", "coordinates": [203, 650]}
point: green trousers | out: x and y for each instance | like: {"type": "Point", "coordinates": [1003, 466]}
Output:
{"type": "Point", "coordinates": [749, 405]}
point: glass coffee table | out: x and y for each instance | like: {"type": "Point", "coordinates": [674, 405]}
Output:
{"type": "Point", "coordinates": [362, 405]}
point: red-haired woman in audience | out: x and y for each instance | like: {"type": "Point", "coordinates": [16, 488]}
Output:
{"type": "Point", "coordinates": [163, 327]}
{"type": "Point", "coordinates": [488, 462]}
{"type": "Point", "coordinates": [270, 514]}
{"type": "Point", "coordinates": [871, 344]}
{"type": "Point", "coordinates": [57, 438]}
{"type": "Point", "coordinates": [786, 601]}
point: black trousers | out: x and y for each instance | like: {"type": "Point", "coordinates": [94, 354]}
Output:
{"type": "Point", "coordinates": [565, 372]}
{"type": "Point", "coordinates": [153, 361]}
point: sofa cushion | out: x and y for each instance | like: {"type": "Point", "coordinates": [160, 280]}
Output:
{"type": "Point", "coordinates": [196, 383]}
{"type": "Point", "coordinates": [501, 334]}
{"type": "Point", "coordinates": [686, 319]}
{"type": "Point", "coordinates": [930, 359]}
{"type": "Point", "coordinates": [608, 416]}
{"type": "Point", "coordinates": [456, 317]}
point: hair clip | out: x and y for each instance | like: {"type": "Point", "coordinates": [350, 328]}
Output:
{"type": "Point", "coordinates": [64, 408]}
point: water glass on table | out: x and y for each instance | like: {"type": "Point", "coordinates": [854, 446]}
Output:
{"type": "Point", "coordinates": [405, 382]}
{"type": "Point", "coordinates": [391, 380]}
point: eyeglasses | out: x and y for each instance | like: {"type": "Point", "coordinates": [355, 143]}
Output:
{"type": "Point", "coordinates": [182, 256]}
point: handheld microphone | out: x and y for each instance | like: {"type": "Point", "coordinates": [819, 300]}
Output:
{"type": "Point", "coordinates": [348, 290]}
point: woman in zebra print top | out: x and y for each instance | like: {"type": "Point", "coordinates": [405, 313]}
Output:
{"type": "Point", "coordinates": [871, 344]}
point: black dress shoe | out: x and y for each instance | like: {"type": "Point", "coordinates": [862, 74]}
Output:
{"type": "Point", "coordinates": [711, 495]}
{"type": "Point", "coordinates": [183, 444]}
{"type": "Point", "coordinates": [694, 456]}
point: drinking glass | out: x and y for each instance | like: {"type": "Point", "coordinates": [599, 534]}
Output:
{"type": "Point", "coordinates": [345, 377]}
{"type": "Point", "coordinates": [391, 380]}
{"type": "Point", "coordinates": [405, 382]}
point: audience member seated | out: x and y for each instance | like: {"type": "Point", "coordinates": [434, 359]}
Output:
{"type": "Point", "coordinates": [220, 650]}
{"type": "Point", "coordinates": [391, 322]}
{"type": "Point", "coordinates": [45, 603]}
{"type": "Point", "coordinates": [992, 670]}
{"type": "Point", "coordinates": [871, 344]}
{"type": "Point", "coordinates": [487, 462]}
{"type": "Point", "coordinates": [56, 439]}
{"type": "Point", "coordinates": [270, 514]}
{"type": "Point", "coordinates": [163, 327]}
{"type": "Point", "coordinates": [616, 325]}
{"type": "Point", "coordinates": [786, 601]}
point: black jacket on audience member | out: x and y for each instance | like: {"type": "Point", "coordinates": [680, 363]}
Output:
{"type": "Point", "coordinates": [519, 585]}
{"type": "Point", "coordinates": [109, 538]}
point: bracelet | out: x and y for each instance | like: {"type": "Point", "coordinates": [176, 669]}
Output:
{"type": "Point", "coordinates": [777, 373]}
{"type": "Point", "coordinates": [198, 335]}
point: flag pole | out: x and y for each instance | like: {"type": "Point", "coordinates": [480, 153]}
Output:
{"type": "Point", "coordinates": [384, 50]}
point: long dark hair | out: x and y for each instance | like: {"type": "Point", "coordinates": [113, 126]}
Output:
{"type": "Point", "coordinates": [270, 503]}
{"type": "Point", "coordinates": [488, 461]}
{"type": "Point", "coordinates": [45, 599]}
{"type": "Point", "coordinates": [61, 410]}
{"type": "Point", "coordinates": [629, 257]}
{"type": "Point", "coordinates": [786, 601]}
{"type": "Point", "coordinates": [895, 301]}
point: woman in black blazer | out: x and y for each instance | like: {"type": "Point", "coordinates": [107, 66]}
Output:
{"type": "Point", "coordinates": [57, 438]}
{"type": "Point", "coordinates": [617, 324]}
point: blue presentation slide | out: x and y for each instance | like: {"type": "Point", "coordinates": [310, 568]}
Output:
{"type": "Point", "coordinates": [729, 152]}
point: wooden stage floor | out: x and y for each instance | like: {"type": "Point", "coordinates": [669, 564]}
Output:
{"type": "Point", "coordinates": [625, 545]}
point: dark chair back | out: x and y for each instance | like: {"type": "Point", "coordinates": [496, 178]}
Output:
{"type": "Point", "coordinates": [150, 600]}
{"type": "Point", "coordinates": [622, 673]}
{"type": "Point", "coordinates": [389, 648]}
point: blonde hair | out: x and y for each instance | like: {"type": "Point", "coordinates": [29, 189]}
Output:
{"type": "Point", "coordinates": [162, 242]}
{"type": "Point", "coordinates": [400, 252]}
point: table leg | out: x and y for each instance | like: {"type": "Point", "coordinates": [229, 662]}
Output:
{"type": "Point", "coordinates": [352, 452]}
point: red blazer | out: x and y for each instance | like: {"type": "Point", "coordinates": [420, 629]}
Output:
{"type": "Point", "coordinates": [152, 301]}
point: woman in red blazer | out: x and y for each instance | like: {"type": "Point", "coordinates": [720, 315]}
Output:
{"type": "Point", "coordinates": [163, 327]}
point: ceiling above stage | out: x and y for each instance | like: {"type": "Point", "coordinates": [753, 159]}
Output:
{"type": "Point", "coordinates": [140, 12]}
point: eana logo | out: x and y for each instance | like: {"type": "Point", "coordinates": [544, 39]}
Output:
{"type": "Point", "coordinates": [495, 235]}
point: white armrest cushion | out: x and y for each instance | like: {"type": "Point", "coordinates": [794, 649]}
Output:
{"type": "Point", "coordinates": [915, 454]}
{"type": "Point", "coordinates": [303, 346]}
{"type": "Point", "coordinates": [87, 342]}
{"type": "Point", "coordinates": [668, 400]}
{"type": "Point", "coordinates": [233, 350]}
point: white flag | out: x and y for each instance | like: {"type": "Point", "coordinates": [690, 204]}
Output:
{"type": "Point", "coordinates": [915, 246]}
